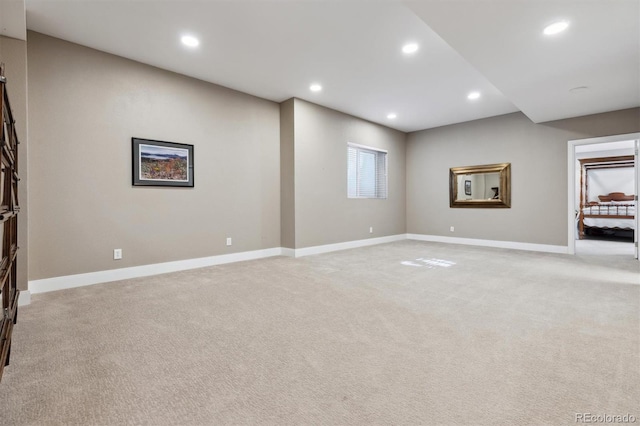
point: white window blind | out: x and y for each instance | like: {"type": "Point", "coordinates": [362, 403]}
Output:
{"type": "Point", "coordinates": [366, 172]}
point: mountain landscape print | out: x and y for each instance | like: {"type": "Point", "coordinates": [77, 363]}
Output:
{"type": "Point", "coordinates": [161, 163]}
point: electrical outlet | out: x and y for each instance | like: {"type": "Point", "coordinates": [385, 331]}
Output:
{"type": "Point", "coordinates": [228, 241]}
{"type": "Point", "coordinates": [117, 254]}
{"type": "Point", "coordinates": [451, 229]}
{"type": "Point", "coordinates": [371, 229]}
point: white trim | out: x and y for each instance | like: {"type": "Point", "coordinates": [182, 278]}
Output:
{"type": "Point", "coordinates": [571, 171]}
{"type": "Point", "coordinates": [636, 159]}
{"type": "Point", "coordinates": [79, 280]}
{"type": "Point", "coordinates": [24, 298]}
{"type": "Point", "coordinates": [606, 139]}
{"type": "Point", "coordinates": [370, 148]}
{"type": "Point", "coordinates": [289, 252]}
{"type": "Point", "coordinates": [490, 243]}
{"type": "Point", "coordinates": [307, 251]}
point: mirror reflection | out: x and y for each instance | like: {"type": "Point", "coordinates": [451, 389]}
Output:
{"type": "Point", "coordinates": [480, 186]}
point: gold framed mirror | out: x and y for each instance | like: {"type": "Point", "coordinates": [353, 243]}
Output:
{"type": "Point", "coordinates": [487, 186]}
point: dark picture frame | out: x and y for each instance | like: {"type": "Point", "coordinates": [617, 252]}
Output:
{"type": "Point", "coordinates": [467, 187]}
{"type": "Point", "coordinates": [160, 163]}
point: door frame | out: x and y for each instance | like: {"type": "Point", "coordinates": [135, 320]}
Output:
{"type": "Point", "coordinates": [571, 182]}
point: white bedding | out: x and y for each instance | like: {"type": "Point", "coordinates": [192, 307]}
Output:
{"type": "Point", "coordinates": [610, 223]}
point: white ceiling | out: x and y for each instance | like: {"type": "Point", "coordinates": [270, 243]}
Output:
{"type": "Point", "coordinates": [276, 49]}
{"type": "Point", "coordinates": [503, 40]}
{"type": "Point", "coordinates": [13, 19]}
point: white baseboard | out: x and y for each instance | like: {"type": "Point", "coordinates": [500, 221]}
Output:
{"type": "Point", "coordinates": [490, 243]}
{"type": "Point", "coordinates": [307, 251]}
{"type": "Point", "coordinates": [79, 280]}
{"type": "Point", "coordinates": [289, 252]}
{"type": "Point", "coordinates": [24, 298]}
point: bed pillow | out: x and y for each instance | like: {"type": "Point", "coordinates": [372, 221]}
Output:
{"type": "Point", "coordinates": [621, 202]}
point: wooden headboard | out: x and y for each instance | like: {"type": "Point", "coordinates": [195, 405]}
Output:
{"type": "Point", "coordinates": [616, 196]}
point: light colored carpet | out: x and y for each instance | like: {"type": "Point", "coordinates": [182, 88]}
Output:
{"type": "Point", "coordinates": [401, 333]}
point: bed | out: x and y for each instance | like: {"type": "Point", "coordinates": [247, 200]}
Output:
{"type": "Point", "coordinates": [614, 211]}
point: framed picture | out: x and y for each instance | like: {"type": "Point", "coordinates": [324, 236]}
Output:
{"type": "Point", "coordinates": [467, 187]}
{"type": "Point", "coordinates": [157, 163]}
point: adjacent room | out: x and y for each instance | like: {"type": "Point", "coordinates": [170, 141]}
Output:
{"type": "Point", "coordinates": [341, 213]}
{"type": "Point", "coordinates": [606, 198]}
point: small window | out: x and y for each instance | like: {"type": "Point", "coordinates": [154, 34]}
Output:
{"type": "Point", "coordinates": [366, 172]}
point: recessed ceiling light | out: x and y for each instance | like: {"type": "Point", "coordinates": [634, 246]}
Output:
{"type": "Point", "coordinates": [556, 27]}
{"type": "Point", "coordinates": [315, 87]}
{"type": "Point", "coordinates": [391, 116]}
{"type": "Point", "coordinates": [190, 41]}
{"type": "Point", "coordinates": [473, 95]}
{"type": "Point", "coordinates": [579, 89]}
{"type": "Point", "coordinates": [410, 48]}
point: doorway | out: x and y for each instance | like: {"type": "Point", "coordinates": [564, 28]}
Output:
{"type": "Point", "coordinates": [602, 207]}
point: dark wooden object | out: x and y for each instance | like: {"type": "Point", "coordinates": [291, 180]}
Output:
{"type": "Point", "coordinates": [592, 208]}
{"type": "Point", "coordinates": [9, 223]}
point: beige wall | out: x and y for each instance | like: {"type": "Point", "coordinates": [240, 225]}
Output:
{"type": "Point", "coordinates": [323, 213]}
{"type": "Point", "coordinates": [13, 53]}
{"type": "Point", "coordinates": [538, 157]}
{"type": "Point", "coordinates": [287, 175]}
{"type": "Point", "coordinates": [85, 106]}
